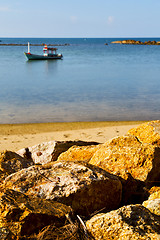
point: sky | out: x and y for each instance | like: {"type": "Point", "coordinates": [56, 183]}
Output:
{"type": "Point", "coordinates": [80, 18]}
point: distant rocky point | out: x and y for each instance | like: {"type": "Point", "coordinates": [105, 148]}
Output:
{"type": "Point", "coordinates": [134, 42]}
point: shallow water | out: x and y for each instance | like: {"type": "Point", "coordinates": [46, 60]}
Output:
{"type": "Point", "coordinates": [93, 82]}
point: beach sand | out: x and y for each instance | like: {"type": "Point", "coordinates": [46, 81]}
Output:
{"type": "Point", "coordinates": [13, 137]}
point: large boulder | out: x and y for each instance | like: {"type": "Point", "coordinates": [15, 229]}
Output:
{"type": "Point", "coordinates": [132, 222]}
{"type": "Point", "coordinates": [11, 162]}
{"type": "Point", "coordinates": [49, 151]}
{"type": "Point", "coordinates": [84, 187]}
{"type": "Point", "coordinates": [148, 132]}
{"type": "Point", "coordinates": [125, 156]}
{"type": "Point", "coordinates": [136, 164]}
{"type": "Point", "coordinates": [21, 215]}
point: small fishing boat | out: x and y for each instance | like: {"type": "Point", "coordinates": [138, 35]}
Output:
{"type": "Point", "coordinates": [48, 54]}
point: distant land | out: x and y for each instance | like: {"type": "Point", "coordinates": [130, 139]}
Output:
{"type": "Point", "coordinates": [135, 42]}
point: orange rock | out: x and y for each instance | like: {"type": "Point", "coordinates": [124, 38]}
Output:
{"type": "Point", "coordinates": [132, 222]}
{"type": "Point", "coordinates": [21, 215]}
{"type": "Point", "coordinates": [136, 164]}
{"type": "Point", "coordinates": [147, 133]}
{"type": "Point", "coordinates": [154, 193]}
{"type": "Point", "coordinates": [123, 155]}
{"type": "Point", "coordinates": [79, 153]}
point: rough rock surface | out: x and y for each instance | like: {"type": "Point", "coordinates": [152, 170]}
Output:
{"type": "Point", "coordinates": [153, 205]}
{"type": "Point", "coordinates": [148, 132]}
{"type": "Point", "coordinates": [49, 151]}
{"type": "Point", "coordinates": [84, 187]}
{"type": "Point", "coordinates": [21, 215]}
{"type": "Point", "coordinates": [77, 153]}
{"type": "Point", "coordinates": [40, 153]}
{"type": "Point", "coordinates": [123, 155]}
{"type": "Point", "coordinates": [65, 145]}
{"type": "Point", "coordinates": [11, 162]}
{"type": "Point", "coordinates": [154, 193]}
{"type": "Point", "coordinates": [132, 222]}
{"type": "Point", "coordinates": [153, 202]}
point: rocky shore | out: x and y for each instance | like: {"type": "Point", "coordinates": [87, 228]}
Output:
{"type": "Point", "coordinates": [135, 42]}
{"type": "Point", "coordinates": [83, 190]}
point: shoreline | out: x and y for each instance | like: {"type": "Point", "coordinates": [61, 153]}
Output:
{"type": "Point", "coordinates": [14, 137]}
{"type": "Point", "coordinates": [32, 128]}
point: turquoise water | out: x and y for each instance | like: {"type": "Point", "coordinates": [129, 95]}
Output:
{"type": "Point", "coordinates": [93, 82]}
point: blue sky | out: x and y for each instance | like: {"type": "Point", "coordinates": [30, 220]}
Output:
{"type": "Point", "coordinates": [80, 18]}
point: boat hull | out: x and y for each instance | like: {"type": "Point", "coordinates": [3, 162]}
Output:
{"type": "Point", "coordinates": [30, 56]}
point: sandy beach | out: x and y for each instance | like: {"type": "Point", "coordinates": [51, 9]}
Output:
{"type": "Point", "coordinates": [16, 136]}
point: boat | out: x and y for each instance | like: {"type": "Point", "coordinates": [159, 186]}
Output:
{"type": "Point", "coordinates": [48, 54]}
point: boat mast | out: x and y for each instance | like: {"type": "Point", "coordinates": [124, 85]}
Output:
{"type": "Point", "coordinates": [28, 48]}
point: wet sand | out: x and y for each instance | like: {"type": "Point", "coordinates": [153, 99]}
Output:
{"type": "Point", "coordinates": [16, 136]}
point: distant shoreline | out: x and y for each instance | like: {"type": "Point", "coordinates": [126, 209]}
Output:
{"type": "Point", "coordinates": [42, 44]}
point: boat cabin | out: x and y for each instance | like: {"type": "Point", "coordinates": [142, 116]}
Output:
{"type": "Point", "coordinates": [49, 51]}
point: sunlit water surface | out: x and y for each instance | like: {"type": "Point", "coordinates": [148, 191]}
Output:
{"type": "Point", "coordinates": [93, 82]}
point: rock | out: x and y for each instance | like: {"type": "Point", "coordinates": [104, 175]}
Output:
{"type": "Point", "coordinates": [153, 205]}
{"type": "Point", "coordinates": [82, 186]}
{"type": "Point", "coordinates": [5, 234]}
{"type": "Point", "coordinates": [128, 42]}
{"type": "Point", "coordinates": [21, 215]}
{"type": "Point", "coordinates": [117, 42]}
{"type": "Point", "coordinates": [11, 162]}
{"type": "Point", "coordinates": [136, 164]}
{"type": "Point", "coordinates": [65, 145]}
{"type": "Point", "coordinates": [132, 222]}
{"type": "Point", "coordinates": [123, 155]}
{"type": "Point", "coordinates": [40, 153]}
{"type": "Point", "coordinates": [147, 133]}
{"type": "Point", "coordinates": [76, 153]}
{"type": "Point", "coordinates": [154, 193]}
{"type": "Point", "coordinates": [153, 202]}
{"type": "Point", "coordinates": [134, 42]}
{"type": "Point", "coordinates": [49, 151]}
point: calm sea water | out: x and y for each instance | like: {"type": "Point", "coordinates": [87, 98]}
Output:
{"type": "Point", "coordinates": [93, 82]}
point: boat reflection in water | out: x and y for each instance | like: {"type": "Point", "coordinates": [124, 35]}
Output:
{"type": "Point", "coordinates": [48, 54]}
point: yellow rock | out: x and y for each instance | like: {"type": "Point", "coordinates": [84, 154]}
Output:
{"type": "Point", "coordinates": [22, 215]}
{"type": "Point", "coordinates": [153, 205]}
{"type": "Point", "coordinates": [132, 222]}
{"type": "Point", "coordinates": [148, 132]}
{"type": "Point", "coordinates": [79, 153]}
{"type": "Point", "coordinates": [123, 155]}
{"type": "Point", "coordinates": [154, 193]}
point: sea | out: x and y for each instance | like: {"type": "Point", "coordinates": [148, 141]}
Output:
{"type": "Point", "coordinates": [93, 82]}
